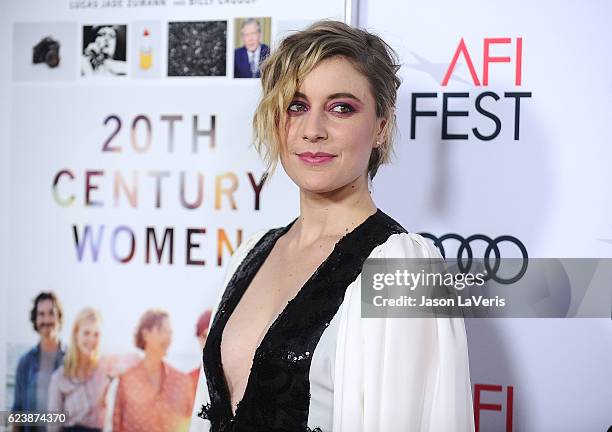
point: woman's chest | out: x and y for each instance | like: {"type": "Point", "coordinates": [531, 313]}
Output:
{"type": "Point", "coordinates": [279, 280]}
{"type": "Point", "coordinates": [276, 385]}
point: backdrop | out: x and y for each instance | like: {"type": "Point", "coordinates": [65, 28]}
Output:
{"type": "Point", "coordinates": [128, 179]}
{"type": "Point", "coordinates": [514, 142]}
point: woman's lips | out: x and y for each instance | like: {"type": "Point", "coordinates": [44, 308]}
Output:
{"type": "Point", "coordinates": [315, 158]}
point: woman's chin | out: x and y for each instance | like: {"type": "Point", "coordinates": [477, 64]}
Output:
{"type": "Point", "coordinates": [317, 188]}
{"type": "Point", "coordinates": [315, 183]}
{"type": "Point", "coordinates": [86, 353]}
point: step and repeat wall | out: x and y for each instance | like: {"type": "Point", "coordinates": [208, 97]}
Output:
{"type": "Point", "coordinates": [128, 177]}
{"type": "Point", "coordinates": [504, 140]}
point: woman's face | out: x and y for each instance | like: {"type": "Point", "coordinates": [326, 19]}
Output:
{"type": "Point", "coordinates": [88, 338]}
{"type": "Point", "coordinates": [332, 128]}
{"type": "Point", "coordinates": [158, 339]}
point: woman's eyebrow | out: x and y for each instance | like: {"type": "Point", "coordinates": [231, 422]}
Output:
{"type": "Point", "coordinates": [332, 96]}
{"type": "Point", "coordinates": [300, 95]}
{"type": "Point", "coordinates": [343, 95]}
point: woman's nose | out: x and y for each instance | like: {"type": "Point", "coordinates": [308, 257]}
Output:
{"type": "Point", "coordinates": [314, 127]}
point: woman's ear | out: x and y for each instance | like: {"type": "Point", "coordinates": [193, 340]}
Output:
{"type": "Point", "coordinates": [382, 132]}
{"type": "Point", "coordinates": [378, 138]}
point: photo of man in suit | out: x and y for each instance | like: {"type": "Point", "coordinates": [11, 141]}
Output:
{"type": "Point", "coordinates": [248, 57]}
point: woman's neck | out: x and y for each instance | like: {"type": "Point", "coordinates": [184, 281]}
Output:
{"type": "Point", "coordinates": [152, 362]}
{"type": "Point", "coordinates": [333, 214]}
{"type": "Point", "coordinates": [85, 365]}
{"type": "Point", "coordinates": [153, 366]}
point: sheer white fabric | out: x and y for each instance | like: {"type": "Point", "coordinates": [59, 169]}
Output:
{"type": "Point", "coordinates": [377, 374]}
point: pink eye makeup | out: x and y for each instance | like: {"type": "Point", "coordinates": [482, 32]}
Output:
{"type": "Point", "coordinates": [336, 104]}
{"type": "Point", "coordinates": [296, 107]}
{"type": "Point", "coordinates": [342, 108]}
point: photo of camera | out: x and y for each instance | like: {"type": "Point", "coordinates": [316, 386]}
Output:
{"type": "Point", "coordinates": [46, 51]}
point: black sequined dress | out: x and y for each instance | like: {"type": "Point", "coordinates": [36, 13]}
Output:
{"type": "Point", "coordinates": [277, 394]}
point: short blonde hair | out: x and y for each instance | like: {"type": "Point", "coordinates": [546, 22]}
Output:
{"type": "Point", "coordinates": [298, 54]}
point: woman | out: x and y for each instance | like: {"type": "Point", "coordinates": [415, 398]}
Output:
{"type": "Point", "coordinates": [153, 396]}
{"type": "Point", "coordinates": [79, 386]}
{"type": "Point", "coordinates": [287, 349]}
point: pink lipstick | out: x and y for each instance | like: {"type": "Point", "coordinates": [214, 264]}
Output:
{"type": "Point", "coordinates": [315, 158]}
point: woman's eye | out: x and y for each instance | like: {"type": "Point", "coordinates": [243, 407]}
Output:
{"type": "Point", "coordinates": [296, 107]}
{"type": "Point", "coordinates": [342, 109]}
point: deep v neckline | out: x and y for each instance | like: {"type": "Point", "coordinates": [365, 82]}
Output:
{"type": "Point", "coordinates": [283, 312]}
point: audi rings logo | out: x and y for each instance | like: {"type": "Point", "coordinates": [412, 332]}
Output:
{"type": "Point", "coordinates": [492, 246]}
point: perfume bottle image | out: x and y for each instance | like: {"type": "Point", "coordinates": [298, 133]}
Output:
{"type": "Point", "coordinates": [146, 52]}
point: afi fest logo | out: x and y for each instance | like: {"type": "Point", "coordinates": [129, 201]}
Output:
{"type": "Point", "coordinates": [462, 52]}
{"type": "Point", "coordinates": [480, 405]}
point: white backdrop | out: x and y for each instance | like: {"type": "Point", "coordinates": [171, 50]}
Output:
{"type": "Point", "coordinates": [550, 188]}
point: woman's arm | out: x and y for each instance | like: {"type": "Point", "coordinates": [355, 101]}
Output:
{"type": "Point", "coordinates": [408, 374]}
{"type": "Point", "coordinates": [416, 375]}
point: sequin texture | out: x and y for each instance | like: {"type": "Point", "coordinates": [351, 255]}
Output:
{"type": "Point", "coordinates": [277, 394]}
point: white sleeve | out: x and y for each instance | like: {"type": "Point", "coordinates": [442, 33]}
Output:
{"type": "Point", "coordinates": [201, 397]}
{"type": "Point", "coordinates": [412, 373]}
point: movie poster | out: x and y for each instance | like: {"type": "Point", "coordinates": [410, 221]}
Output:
{"type": "Point", "coordinates": [133, 180]}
